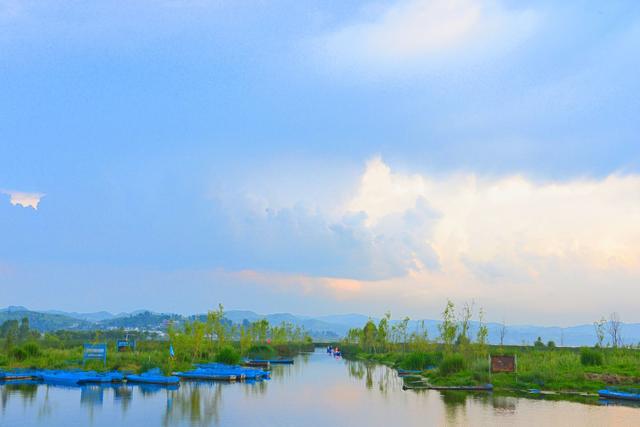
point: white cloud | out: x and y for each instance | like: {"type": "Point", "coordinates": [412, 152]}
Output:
{"type": "Point", "coordinates": [512, 218]}
{"type": "Point", "coordinates": [421, 32]}
{"type": "Point", "coordinates": [407, 241]}
{"type": "Point", "coordinates": [26, 200]}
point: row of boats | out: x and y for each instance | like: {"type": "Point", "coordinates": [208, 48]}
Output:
{"type": "Point", "coordinates": [202, 372]}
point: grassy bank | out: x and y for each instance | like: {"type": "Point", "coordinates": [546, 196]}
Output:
{"type": "Point", "coordinates": [214, 339]}
{"type": "Point", "coordinates": [558, 369]}
{"type": "Point", "coordinates": [149, 354]}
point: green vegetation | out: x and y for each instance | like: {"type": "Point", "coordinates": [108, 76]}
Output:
{"type": "Point", "coordinates": [591, 357]}
{"type": "Point", "coordinates": [228, 355]}
{"type": "Point", "coordinates": [451, 364]}
{"type": "Point", "coordinates": [456, 358]}
{"type": "Point", "coordinates": [202, 340]}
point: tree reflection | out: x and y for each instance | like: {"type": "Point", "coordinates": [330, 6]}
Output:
{"type": "Point", "coordinates": [27, 391]}
{"type": "Point", "coordinates": [198, 402]}
{"type": "Point", "coordinates": [454, 404]}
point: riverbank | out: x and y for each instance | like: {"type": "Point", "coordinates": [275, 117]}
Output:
{"type": "Point", "coordinates": [148, 355]}
{"type": "Point", "coordinates": [552, 369]}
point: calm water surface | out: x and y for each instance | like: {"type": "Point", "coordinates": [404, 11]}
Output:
{"type": "Point", "coordinates": [317, 390]}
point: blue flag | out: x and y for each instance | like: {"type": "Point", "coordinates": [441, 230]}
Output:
{"type": "Point", "coordinates": [171, 353]}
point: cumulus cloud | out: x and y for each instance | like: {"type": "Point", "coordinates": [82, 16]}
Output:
{"type": "Point", "coordinates": [307, 240]}
{"type": "Point", "coordinates": [410, 240]}
{"type": "Point", "coordinates": [26, 200]}
{"type": "Point", "coordinates": [419, 32]}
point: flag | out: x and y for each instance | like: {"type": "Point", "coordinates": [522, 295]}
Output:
{"type": "Point", "coordinates": [171, 353]}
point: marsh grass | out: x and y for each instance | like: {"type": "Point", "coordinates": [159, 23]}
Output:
{"type": "Point", "coordinates": [558, 368]}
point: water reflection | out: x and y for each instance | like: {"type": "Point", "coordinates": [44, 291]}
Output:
{"type": "Point", "coordinates": [25, 390]}
{"type": "Point", "coordinates": [197, 402]}
{"type": "Point", "coordinates": [381, 377]}
{"type": "Point", "coordinates": [317, 390]}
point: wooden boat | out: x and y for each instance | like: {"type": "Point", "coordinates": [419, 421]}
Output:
{"type": "Point", "coordinates": [280, 361]}
{"type": "Point", "coordinates": [485, 387]}
{"type": "Point", "coordinates": [17, 375]}
{"type": "Point", "coordinates": [207, 376]}
{"type": "Point", "coordinates": [620, 395]}
{"type": "Point", "coordinates": [405, 372]}
{"type": "Point", "coordinates": [258, 363]}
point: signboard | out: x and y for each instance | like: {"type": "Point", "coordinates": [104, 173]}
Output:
{"type": "Point", "coordinates": [95, 352]}
{"type": "Point", "coordinates": [503, 363]}
{"type": "Point", "coordinates": [124, 345]}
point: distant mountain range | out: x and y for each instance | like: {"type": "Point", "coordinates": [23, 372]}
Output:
{"type": "Point", "coordinates": [330, 327]}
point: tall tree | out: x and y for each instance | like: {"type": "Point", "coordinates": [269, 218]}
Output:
{"type": "Point", "coordinates": [614, 327]}
{"type": "Point", "coordinates": [448, 327]}
{"type": "Point", "coordinates": [600, 328]}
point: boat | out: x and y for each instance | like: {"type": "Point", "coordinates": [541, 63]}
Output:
{"type": "Point", "coordinates": [103, 377]}
{"type": "Point", "coordinates": [18, 375]}
{"type": "Point", "coordinates": [65, 378]}
{"type": "Point", "coordinates": [153, 376]}
{"type": "Point", "coordinates": [258, 363]}
{"type": "Point", "coordinates": [241, 373]}
{"type": "Point", "coordinates": [280, 361]}
{"type": "Point", "coordinates": [208, 374]}
{"type": "Point", "coordinates": [621, 395]}
{"type": "Point", "coordinates": [485, 387]}
{"type": "Point", "coordinates": [406, 372]}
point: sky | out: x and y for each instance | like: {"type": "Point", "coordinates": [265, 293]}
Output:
{"type": "Point", "coordinates": [322, 157]}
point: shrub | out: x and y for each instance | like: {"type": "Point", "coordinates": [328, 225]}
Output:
{"type": "Point", "coordinates": [452, 364]}
{"type": "Point", "coordinates": [262, 351]}
{"type": "Point", "coordinates": [591, 357]}
{"type": "Point", "coordinates": [31, 349]}
{"type": "Point", "coordinates": [419, 360]}
{"type": "Point", "coordinates": [228, 355]}
{"type": "Point", "coordinates": [18, 354]}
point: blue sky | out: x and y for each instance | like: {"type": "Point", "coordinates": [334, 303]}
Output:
{"type": "Point", "coordinates": [321, 157]}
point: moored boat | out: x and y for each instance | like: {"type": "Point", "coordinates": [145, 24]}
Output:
{"type": "Point", "coordinates": [621, 395]}
{"type": "Point", "coordinates": [153, 376]}
{"type": "Point", "coordinates": [405, 372]}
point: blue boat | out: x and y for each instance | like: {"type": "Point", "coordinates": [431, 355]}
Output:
{"type": "Point", "coordinates": [64, 378]}
{"type": "Point", "coordinates": [221, 371]}
{"type": "Point", "coordinates": [621, 395]}
{"type": "Point", "coordinates": [103, 377]}
{"type": "Point", "coordinates": [153, 376]}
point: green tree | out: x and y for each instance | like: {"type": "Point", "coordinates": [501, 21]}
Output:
{"type": "Point", "coordinates": [448, 327]}
{"type": "Point", "coordinates": [217, 327]}
{"type": "Point", "coordinates": [23, 332]}
{"type": "Point", "coordinates": [383, 330]}
{"type": "Point", "coordinates": [483, 331]}
{"type": "Point", "coordinates": [403, 332]}
{"type": "Point", "coordinates": [600, 327]}
{"type": "Point", "coordinates": [369, 336]}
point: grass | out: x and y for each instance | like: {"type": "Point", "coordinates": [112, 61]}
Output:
{"type": "Point", "coordinates": [149, 354]}
{"type": "Point", "coordinates": [557, 369]}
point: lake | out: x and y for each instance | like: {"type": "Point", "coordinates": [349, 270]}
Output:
{"type": "Point", "coordinates": [318, 390]}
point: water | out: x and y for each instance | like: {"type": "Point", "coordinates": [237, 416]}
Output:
{"type": "Point", "coordinates": [317, 390]}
